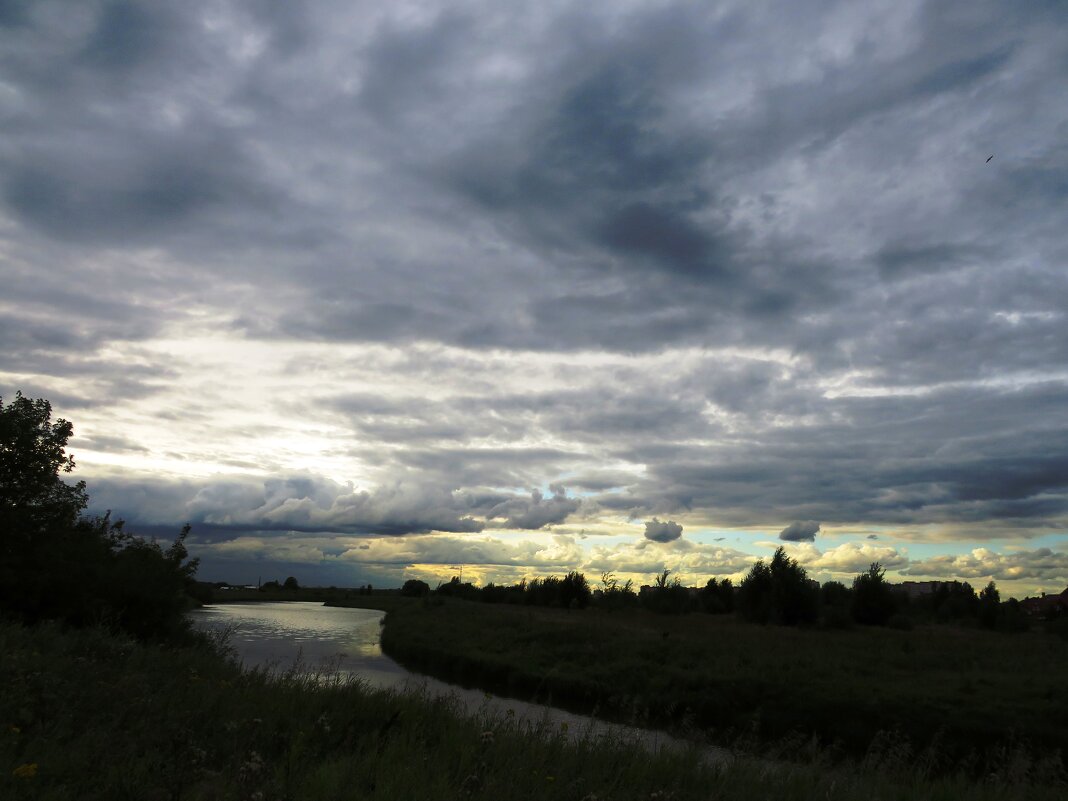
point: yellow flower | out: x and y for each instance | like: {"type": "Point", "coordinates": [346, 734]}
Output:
{"type": "Point", "coordinates": [25, 771]}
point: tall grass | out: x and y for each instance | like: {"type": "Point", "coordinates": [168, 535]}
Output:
{"type": "Point", "coordinates": [962, 689]}
{"type": "Point", "coordinates": [87, 715]}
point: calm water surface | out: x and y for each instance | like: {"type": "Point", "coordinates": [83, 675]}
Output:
{"type": "Point", "coordinates": [307, 635]}
{"type": "Point", "coordinates": [334, 640]}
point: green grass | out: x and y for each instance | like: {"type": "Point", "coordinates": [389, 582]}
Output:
{"type": "Point", "coordinates": [86, 715]}
{"type": "Point", "coordinates": [971, 692]}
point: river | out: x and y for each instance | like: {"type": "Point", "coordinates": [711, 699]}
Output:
{"type": "Point", "coordinates": [334, 641]}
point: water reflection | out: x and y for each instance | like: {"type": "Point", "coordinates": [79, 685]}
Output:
{"type": "Point", "coordinates": [336, 641]}
{"type": "Point", "coordinates": [308, 635]}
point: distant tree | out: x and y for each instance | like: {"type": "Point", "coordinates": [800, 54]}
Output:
{"type": "Point", "coordinates": [575, 592]}
{"type": "Point", "coordinates": [778, 592]}
{"type": "Point", "coordinates": [270, 586]}
{"type": "Point", "coordinates": [454, 589]}
{"type": "Point", "coordinates": [667, 596]}
{"type": "Point", "coordinates": [615, 595]}
{"type": "Point", "coordinates": [796, 599]}
{"type": "Point", "coordinates": [873, 599]}
{"type": "Point", "coordinates": [989, 606]}
{"type": "Point", "coordinates": [290, 584]}
{"type": "Point", "coordinates": [755, 594]}
{"type": "Point", "coordinates": [835, 593]}
{"type": "Point", "coordinates": [414, 588]}
{"type": "Point", "coordinates": [835, 602]}
{"type": "Point", "coordinates": [717, 597]}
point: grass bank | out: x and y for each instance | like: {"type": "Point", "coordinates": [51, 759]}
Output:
{"type": "Point", "coordinates": [90, 716]}
{"type": "Point", "coordinates": [967, 695]}
{"type": "Point", "coordinates": [87, 715]}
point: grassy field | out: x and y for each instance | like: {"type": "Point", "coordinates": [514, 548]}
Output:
{"type": "Point", "coordinates": [964, 694]}
{"type": "Point", "coordinates": [86, 715]}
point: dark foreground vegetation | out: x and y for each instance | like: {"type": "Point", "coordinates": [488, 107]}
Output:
{"type": "Point", "coordinates": [56, 563]}
{"type": "Point", "coordinates": [91, 715]}
{"type": "Point", "coordinates": [965, 694]}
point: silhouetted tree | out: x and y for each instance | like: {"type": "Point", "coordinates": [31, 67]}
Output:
{"type": "Point", "coordinates": [989, 606]}
{"type": "Point", "coordinates": [575, 592]}
{"type": "Point", "coordinates": [615, 595]}
{"type": "Point", "coordinates": [778, 592]}
{"type": "Point", "coordinates": [290, 584]}
{"type": "Point", "coordinates": [667, 596]}
{"type": "Point", "coordinates": [717, 597]}
{"type": "Point", "coordinates": [414, 588]}
{"type": "Point", "coordinates": [54, 563]}
{"type": "Point", "coordinates": [873, 599]}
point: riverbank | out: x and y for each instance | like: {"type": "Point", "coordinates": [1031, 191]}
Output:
{"type": "Point", "coordinates": [89, 715]}
{"type": "Point", "coordinates": [963, 696]}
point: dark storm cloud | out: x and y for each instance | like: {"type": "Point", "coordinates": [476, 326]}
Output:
{"type": "Point", "coordinates": [800, 531]}
{"type": "Point", "coordinates": [801, 196]}
{"type": "Point", "coordinates": [537, 511]}
{"type": "Point", "coordinates": [662, 531]}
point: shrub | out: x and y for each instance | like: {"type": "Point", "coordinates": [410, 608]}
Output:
{"type": "Point", "coordinates": [414, 588]}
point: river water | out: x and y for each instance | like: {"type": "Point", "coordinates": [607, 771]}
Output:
{"type": "Point", "coordinates": [334, 641]}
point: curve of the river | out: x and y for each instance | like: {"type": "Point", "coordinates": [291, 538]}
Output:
{"type": "Point", "coordinates": [336, 641]}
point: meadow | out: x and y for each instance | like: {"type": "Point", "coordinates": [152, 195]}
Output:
{"type": "Point", "coordinates": [89, 714]}
{"type": "Point", "coordinates": [962, 695]}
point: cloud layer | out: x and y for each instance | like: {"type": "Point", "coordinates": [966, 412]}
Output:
{"type": "Point", "coordinates": [411, 270]}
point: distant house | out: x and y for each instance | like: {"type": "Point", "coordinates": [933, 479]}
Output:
{"type": "Point", "coordinates": [1046, 605]}
{"type": "Point", "coordinates": [917, 589]}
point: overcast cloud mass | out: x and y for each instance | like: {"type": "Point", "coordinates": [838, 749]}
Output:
{"type": "Point", "coordinates": [365, 291]}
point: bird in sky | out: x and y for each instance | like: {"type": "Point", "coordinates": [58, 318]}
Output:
{"type": "Point", "coordinates": [988, 159]}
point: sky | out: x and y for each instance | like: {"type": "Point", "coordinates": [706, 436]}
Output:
{"type": "Point", "coordinates": [369, 291]}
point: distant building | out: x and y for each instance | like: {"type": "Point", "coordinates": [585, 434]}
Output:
{"type": "Point", "coordinates": [918, 589]}
{"type": "Point", "coordinates": [1046, 605]}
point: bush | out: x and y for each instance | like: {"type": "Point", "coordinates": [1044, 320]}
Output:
{"type": "Point", "coordinates": [414, 588]}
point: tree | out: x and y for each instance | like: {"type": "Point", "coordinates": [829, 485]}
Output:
{"type": "Point", "coordinates": [290, 584]}
{"type": "Point", "coordinates": [778, 592]}
{"type": "Point", "coordinates": [667, 596]}
{"type": "Point", "coordinates": [873, 600]}
{"type": "Point", "coordinates": [33, 497]}
{"type": "Point", "coordinates": [989, 606]}
{"type": "Point", "coordinates": [717, 597]}
{"type": "Point", "coordinates": [414, 588]}
{"type": "Point", "coordinates": [57, 564]}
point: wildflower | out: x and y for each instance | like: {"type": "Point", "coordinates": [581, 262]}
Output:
{"type": "Point", "coordinates": [25, 771]}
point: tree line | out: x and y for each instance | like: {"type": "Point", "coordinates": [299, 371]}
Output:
{"type": "Point", "coordinates": [776, 592]}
